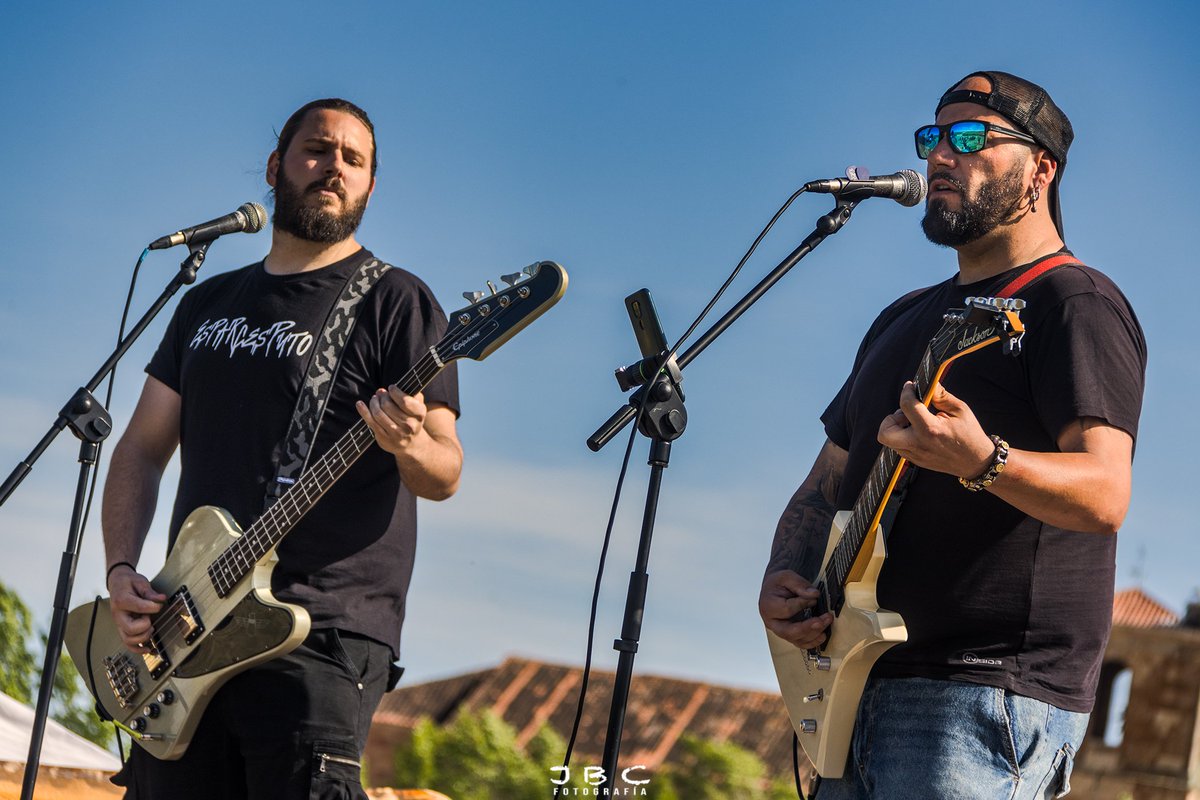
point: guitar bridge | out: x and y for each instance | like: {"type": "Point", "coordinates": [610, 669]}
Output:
{"type": "Point", "coordinates": [122, 678]}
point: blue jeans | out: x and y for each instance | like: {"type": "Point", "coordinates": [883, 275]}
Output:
{"type": "Point", "coordinates": [944, 740]}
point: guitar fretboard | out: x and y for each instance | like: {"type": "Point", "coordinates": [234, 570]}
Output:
{"type": "Point", "coordinates": [874, 494]}
{"type": "Point", "coordinates": [239, 558]}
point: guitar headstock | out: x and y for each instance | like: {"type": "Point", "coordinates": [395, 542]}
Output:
{"type": "Point", "coordinates": [982, 322]}
{"type": "Point", "coordinates": [492, 319]}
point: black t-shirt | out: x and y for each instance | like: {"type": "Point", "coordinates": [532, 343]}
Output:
{"type": "Point", "coordinates": [989, 594]}
{"type": "Point", "coordinates": [236, 351]}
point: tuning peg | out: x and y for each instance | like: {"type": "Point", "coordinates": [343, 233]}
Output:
{"type": "Point", "coordinates": [473, 297]}
{"type": "Point", "coordinates": [492, 286]}
{"type": "Point", "coordinates": [530, 270]}
{"type": "Point", "coordinates": [512, 278]}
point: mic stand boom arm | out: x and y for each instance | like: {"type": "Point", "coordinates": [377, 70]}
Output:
{"type": "Point", "coordinates": [91, 424]}
{"type": "Point", "coordinates": [827, 225]}
{"type": "Point", "coordinates": [664, 420]}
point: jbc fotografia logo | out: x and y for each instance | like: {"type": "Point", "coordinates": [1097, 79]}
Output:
{"type": "Point", "coordinates": [593, 777]}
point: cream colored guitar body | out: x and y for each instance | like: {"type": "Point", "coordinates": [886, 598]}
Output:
{"type": "Point", "coordinates": [821, 688]}
{"type": "Point", "coordinates": [202, 639]}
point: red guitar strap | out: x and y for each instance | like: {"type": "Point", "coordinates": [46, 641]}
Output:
{"type": "Point", "coordinates": [1036, 271]}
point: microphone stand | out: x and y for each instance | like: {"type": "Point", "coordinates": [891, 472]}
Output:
{"type": "Point", "coordinates": [664, 420]}
{"type": "Point", "coordinates": [91, 424]}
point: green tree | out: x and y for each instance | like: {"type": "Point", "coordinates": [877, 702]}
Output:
{"type": "Point", "coordinates": [20, 668]}
{"type": "Point", "coordinates": [704, 770]}
{"type": "Point", "coordinates": [73, 706]}
{"type": "Point", "coordinates": [477, 758]}
{"type": "Point", "coordinates": [17, 664]}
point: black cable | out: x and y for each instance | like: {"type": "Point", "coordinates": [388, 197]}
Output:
{"type": "Point", "coordinates": [91, 494]}
{"type": "Point", "coordinates": [612, 516]}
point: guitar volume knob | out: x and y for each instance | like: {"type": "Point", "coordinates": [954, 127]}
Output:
{"type": "Point", "coordinates": [152, 711]}
{"type": "Point", "coordinates": [166, 697]}
{"type": "Point", "coordinates": [138, 724]}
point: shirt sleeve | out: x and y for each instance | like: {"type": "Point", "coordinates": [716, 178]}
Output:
{"type": "Point", "coordinates": [165, 365]}
{"type": "Point", "coordinates": [834, 418]}
{"type": "Point", "coordinates": [1087, 358]}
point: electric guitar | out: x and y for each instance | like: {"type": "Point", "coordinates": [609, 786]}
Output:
{"type": "Point", "coordinates": [822, 686]}
{"type": "Point", "coordinates": [220, 617]}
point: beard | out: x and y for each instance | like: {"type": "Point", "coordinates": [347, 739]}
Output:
{"type": "Point", "coordinates": [315, 223]}
{"type": "Point", "coordinates": [995, 203]}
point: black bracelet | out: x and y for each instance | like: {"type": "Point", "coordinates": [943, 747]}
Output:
{"type": "Point", "coordinates": [108, 574]}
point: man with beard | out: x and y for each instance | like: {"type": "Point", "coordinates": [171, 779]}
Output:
{"type": "Point", "coordinates": [222, 386]}
{"type": "Point", "coordinates": [1001, 555]}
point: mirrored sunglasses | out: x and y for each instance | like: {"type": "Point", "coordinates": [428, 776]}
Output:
{"type": "Point", "coordinates": [967, 136]}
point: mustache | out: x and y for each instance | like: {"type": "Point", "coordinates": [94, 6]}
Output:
{"type": "Point", "coordinates": [950, 179]}
{"type": "Point", "coordinates": [332, 184]}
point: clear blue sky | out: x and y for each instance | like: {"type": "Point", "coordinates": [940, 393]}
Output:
{"type": "Point", "coordinates": [639, 144]}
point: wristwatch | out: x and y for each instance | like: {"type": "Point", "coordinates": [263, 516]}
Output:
{"type": "Point", "coordinates": [999, 460]}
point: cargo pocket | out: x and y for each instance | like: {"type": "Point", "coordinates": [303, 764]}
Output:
{"type": "Point", "coordinates": [336, 772]}
{"type": "Point", "coordinates": [1058, 783]}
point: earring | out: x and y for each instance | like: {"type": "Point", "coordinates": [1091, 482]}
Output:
{"type": "Point", "coordinates": [1037, 195]}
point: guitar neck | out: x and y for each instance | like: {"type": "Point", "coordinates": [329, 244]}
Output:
{"type": "Point", "coordinates": [260, 538]}
{"type": "Point", "coordinates": [876, 492]}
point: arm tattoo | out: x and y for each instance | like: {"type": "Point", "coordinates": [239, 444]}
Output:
{"type": "Point", "coordinates": [803, 530]}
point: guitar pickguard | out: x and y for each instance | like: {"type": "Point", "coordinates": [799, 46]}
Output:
{"type": "Point", "coordinates": [251, 629]}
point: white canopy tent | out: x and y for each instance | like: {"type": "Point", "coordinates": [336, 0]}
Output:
{"type": "Point", "coordinates": [60, 747]}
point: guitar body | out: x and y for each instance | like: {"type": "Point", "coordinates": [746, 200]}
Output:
{"type": "Point", "coordinates": [202, 639]}
{"type": "Point", "coordinates": [823, 702]}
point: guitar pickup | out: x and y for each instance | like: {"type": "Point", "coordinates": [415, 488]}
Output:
{"type": "Point", "coordinates": [156, 659]}
{"type": "Point", "coordinates": [184, 611]}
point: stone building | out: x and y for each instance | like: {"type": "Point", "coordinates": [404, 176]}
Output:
{"type": "Point", "coordinates": [1143, 742]}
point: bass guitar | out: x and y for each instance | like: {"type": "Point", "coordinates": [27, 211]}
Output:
{"type": "Point", "coordinates": [822, 686]}
{"type": "Point", "coordinates": [220, 617]}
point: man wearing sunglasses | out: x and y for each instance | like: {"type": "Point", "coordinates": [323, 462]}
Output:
{"type": "Point", "coordinates": [1001, 555]}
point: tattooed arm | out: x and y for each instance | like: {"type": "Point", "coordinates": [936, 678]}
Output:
{"type": "Point", "coordinates": [799, 545]}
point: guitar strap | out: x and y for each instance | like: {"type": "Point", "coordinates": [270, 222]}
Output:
{"type": "Point", "coordinates": [1033, 273]}
{"type": "Point", "coordinates": [291, 455]}
{"type": "Point", "coordinates": [1006, 288]}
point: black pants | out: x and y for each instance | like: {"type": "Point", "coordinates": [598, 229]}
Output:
{"type": "Point", "coordinates": [293, 728]}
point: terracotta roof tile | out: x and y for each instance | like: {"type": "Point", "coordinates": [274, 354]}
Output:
{"type": "Point", "coordinates": [1133, 608]}
{"type": "Point", "coordinates": [659, 712]}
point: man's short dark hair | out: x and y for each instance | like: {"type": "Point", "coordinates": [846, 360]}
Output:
{"type": "Point", "coordinates": [288, 133]}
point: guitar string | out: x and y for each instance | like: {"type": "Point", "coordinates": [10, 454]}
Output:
{"type": "Point", "coordinates": [426, 368]}
{"type": "Point", "coordinates": [847, 550]}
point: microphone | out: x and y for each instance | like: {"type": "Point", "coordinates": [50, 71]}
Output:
{"type": "Point", "coordinates": [907, 187]}
{"type": "Point", "coordinates": [249, 218]}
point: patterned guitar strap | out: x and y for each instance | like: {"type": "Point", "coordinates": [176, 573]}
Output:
{"type": "Point", "coordinates": [291, 455]}
{"type": "Point", "coordinates": [1005, 288]}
